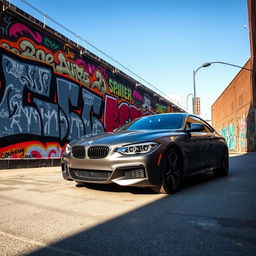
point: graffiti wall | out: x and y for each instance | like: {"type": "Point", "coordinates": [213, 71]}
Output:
{"type": "Point", "coordinates": [251, 130]}
{"type": "Point", "coordinates": [50, 94]}
{"type": "Point", "coordinates": [229, 134]}
{"type": "Point", "coordinates": [241, 133]}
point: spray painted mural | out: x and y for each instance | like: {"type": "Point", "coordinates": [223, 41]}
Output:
{"type": "Point", "coordinates": [229, 133]}
{"type": "Point", "coordinates": [50, 94]}
{"type": "Point", "coordinates": [251, 130]}
{"type": "Point", "coordinates": [240, 134]}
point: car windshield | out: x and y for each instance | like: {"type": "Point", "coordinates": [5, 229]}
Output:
{"type": "Point", "coordinates": [155, 122]}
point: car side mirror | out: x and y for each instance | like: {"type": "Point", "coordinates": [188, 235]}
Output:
{"type": "Point", "coordinates": [196, 127]}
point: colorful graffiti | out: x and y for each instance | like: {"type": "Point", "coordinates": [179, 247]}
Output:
{"type": "Point", "coordinates": [50, 94]}
{"type": "Point", "coordinates": [119, 114]}
{"type": "Point", "coordinates": [32, 149]}
{"type": "Point", "coordinates": [251, 130]}
{"type": "Point", "coordinates": [229, 134]}
{"type": "Point", "coordinates": [243, 134]}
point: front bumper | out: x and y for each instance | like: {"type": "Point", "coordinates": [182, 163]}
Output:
{"type": "Point", "coordinates": [137, 170]}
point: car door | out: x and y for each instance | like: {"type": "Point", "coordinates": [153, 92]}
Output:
{"type": "Point", "coordinates": [215, 145]}
{"type": "Point", "coordinates": [198, 147]}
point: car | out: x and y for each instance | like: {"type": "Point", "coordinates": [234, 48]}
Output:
{"type": "Point", "coordinates": [156, 151]}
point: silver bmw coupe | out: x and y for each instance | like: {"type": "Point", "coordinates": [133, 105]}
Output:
{"type": "Point", "coordinates": [157, 151]}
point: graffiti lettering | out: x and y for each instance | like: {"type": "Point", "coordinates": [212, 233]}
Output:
{"type": "Point", "coordinates": [13, 153]}
{"type": "Point", "coordinates": [161, 108]}
{"type": "Point", "coordinates": [251, 130]}
{"type": "Point", "coordinates": [138, 98]}
{"type": "Point", "coordinates": [19, 118]}
{"type": "Point", "coordinates": [71, 69]}
{"type": "Point", "coordinates": [63, 66]}
{"type": "Point", "coordinates": [100, 83]}
{"type": "Point", "coordinates": [124, 113]}
{"type": "Point", "coordinates": [116, 116]}
{"type": "Point", "coordinates": [50, 44]}
{"type": "Point", "coordinates": [91, 68]}
{"type": "Point", "coordinates": [49, 117]}
{"type": "Point", "coordinates": [46, 118]}
{"type": "Point", "coordinates": [29, 50]}
{"type": "Point", "coordinates": [120, 90]}
{"type": "Point", "coordinates": [71, 124]}
{"type": "Point", "coordinates": [22, 29]}
{"type": "Point", "coordinates": [147, 103]}
{"type": "Point", "coordinates": [7, 20]}
{"type": "Point", "coordinates": [229, 134]}
{"type": "Point", "coordinates": [68, 51]}
{"type": "Point", "coordinates": [91, 112]}
{"type": "Point", "coordinates": [242, 134]}
{"type": "Point", "coordinates": [32, 149]}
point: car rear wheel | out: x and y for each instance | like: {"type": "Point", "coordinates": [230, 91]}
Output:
{"type": "Point", "coordinates": [171, 174]}
{"type": "Point", "coordinates": [224, 165]}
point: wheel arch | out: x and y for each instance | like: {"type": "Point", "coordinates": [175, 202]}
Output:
{"type": "Point", "coordinates": [164, 188]}
{"type": "Point", "coordinates": [178, 149]}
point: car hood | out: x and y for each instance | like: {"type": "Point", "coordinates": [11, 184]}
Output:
{"type": "Point", "coordinates": [123, 137]}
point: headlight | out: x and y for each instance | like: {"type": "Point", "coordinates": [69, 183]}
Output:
{"type": "Point", "coordinates": [141, 148]}
{"type": "Point", "coordinates": [67, 149]}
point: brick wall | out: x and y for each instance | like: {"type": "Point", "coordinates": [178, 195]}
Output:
{"type": "Point", "coordinates": [233, 114]}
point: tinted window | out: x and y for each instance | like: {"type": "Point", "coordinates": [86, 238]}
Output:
{"type": "Point", "coordinates": [191, 120]}
{"type": "Point", "coordinates": [155, 122]}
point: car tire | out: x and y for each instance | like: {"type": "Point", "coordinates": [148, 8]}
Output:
{"type": "Point", "coordinates": [223, 170]}
{"type": "Point", "coordinates": [171, 173]}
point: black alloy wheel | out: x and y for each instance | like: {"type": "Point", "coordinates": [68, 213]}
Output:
{"type": "Point", "coordinates": [223, 170]}
{"type": "Point", "coordinates": [172, 173]}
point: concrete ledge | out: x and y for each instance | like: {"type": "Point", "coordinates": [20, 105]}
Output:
{"type": "Point", "coordinates": [28, 163]}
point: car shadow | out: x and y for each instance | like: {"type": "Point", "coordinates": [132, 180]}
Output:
{"type": "Point", "coordinates": [114, 188]}
{"type": "Point", "coordinates": [187, 183]}
{"type": "Point", "coordinates": [181, 224]}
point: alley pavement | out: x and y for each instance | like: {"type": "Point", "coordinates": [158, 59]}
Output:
{"type": "Point", "coordinates": [42, 214]}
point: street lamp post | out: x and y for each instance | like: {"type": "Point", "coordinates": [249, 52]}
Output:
{"type": "Point", "coordinates": [194, 85]}
{"type": "Point", "coordinates": [207, 64]}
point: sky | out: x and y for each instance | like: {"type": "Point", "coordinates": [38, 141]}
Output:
{"type": "Point", "coordinates": [163, 41]}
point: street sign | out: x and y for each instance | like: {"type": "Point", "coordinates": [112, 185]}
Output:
{"type": "Point", "coordinates": [196, 105]}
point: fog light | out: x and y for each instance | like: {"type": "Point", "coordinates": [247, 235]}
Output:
{"type": "Point", "coordinates": [135, 174]}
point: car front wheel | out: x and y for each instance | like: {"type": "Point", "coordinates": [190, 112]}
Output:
{"type": "Point", "coordinates": [171, 174]}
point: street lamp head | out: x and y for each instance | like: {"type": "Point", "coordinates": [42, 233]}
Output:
{"type": "Point", "coordinates": [207, 64]}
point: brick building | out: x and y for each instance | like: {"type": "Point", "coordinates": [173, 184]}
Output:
{"type": "Point", "coordinates": [234, 112]}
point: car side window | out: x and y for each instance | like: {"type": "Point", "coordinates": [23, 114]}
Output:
{"type": "Point", "coordinates": [191, 120]}
{"type": "Point", "coordinates": [207, 127]}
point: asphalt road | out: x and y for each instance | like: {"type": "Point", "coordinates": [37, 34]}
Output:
{"type": "Point", "coordinates": [42, 214]}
